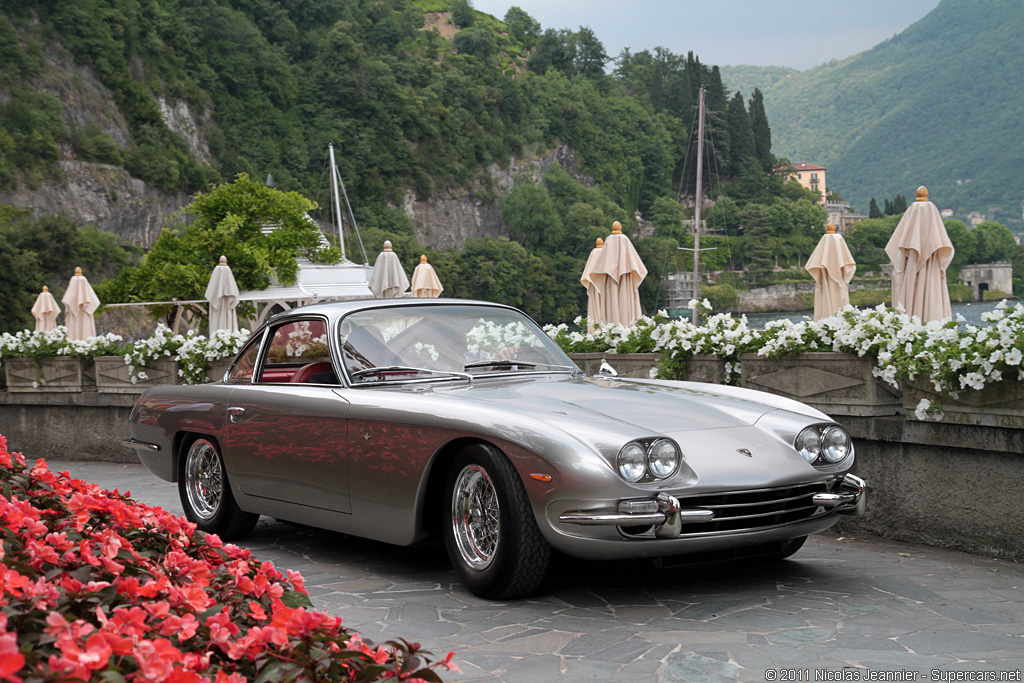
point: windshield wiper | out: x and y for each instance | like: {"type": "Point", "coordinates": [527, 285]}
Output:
{"type": "Point", "coordinates": [382, 370]}
{"type": "Point", "coordinates": [499, 362]}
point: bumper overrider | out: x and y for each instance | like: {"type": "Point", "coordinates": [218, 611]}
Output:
{"type": "Point", "coordinates": [668, 516]}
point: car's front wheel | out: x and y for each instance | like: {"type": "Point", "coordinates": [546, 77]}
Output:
{"type": "Point", "coordinates": [489, 527]}
{"type": "Point", "coordinates": [206, 495]}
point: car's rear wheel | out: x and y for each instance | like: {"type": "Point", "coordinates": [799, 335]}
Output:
{"type": "Point", "coordinates": [489, 528]}
{"type": "Point", "coordinates": [206, 494]}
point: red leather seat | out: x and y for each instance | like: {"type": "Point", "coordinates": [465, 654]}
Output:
{"type": "Point", "coordinates": [303, 374]}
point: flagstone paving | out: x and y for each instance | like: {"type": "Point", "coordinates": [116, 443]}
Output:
{"type": "Point", "coordinates": [840, 609]}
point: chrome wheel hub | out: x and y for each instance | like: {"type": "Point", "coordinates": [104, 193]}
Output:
{"type": "Point", "coordinates": [476, 518]}
{"type": "Point", "coordinates": [204, 479]}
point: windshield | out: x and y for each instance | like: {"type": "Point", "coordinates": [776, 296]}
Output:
{"type": "Point", "coordinates": [434, 342]}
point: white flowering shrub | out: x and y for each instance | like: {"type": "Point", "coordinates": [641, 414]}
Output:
{"type": "Point", "coordinates": [194, 351]}
{"type": "Point", "coordinates": [951, 355]}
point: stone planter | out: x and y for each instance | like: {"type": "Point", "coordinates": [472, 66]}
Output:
{"type": "Point", "coordinates": [59, 374]}
{"type": "Point", "coordinates": [997, 405]}
{"type": "Point", "coordinates": [589, 363]}
{"type": "Point", "coordinates": [626, 364]}
{"type": "Point", "coordinates": [705, 368]}
{"type": "Point", "coordinates": [837, 384]}
{"type": "Point", "coordinates": [215, 373]}
{"type": "Point", "coordinates": [113, 376]}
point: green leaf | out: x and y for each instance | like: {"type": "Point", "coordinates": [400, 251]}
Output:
{"type": "Point", "coordinates": [904, 554]}
{"type": "Point", "coordinates": [295, 599]}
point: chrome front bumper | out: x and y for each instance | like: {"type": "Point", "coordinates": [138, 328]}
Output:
{"type": "Point", "coordinates": [667, 516]}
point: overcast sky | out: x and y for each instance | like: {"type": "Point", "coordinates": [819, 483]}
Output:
{"type": "Point", "coordinates": [795, 33]}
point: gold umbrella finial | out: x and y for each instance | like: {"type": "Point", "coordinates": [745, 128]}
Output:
{"type": "Point", "coordinates": [387, 245]}
{"type": "Point", "coordinates": [922, 194]}
{"type": "Point", "coordinates": [78, 270]}
{"type": "Point", "coordinates": [616, 228]}
{"type": "Point", "coordinates": [423, 258]}
{"type": "Point", "coordinates": [46, 289]}
{"type": "Point", "coordinates": [831, 229]}
{"type": "Point", "coordinates": [600, 243]}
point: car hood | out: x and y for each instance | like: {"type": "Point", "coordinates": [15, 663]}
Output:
{"type": "Point", "coordinates": [653, 406]}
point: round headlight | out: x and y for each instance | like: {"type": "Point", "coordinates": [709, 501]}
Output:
{"type": "Point", "coordinates": [663, 458]}
{"type": "Point", "coordinates": [632, 462]}
{"type": "Point", "coordinates": [835, 444]}
{"type": "Point", "coordinates": [808, 444]}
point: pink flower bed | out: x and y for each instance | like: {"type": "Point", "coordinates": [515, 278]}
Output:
{"type": "Point", "coordinates": [97, 587]}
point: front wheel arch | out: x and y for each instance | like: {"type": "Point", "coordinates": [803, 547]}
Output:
{"type": "Point", "coordinates": [224, 518]}
{"type": "Point", "coordinates": [494, 541]}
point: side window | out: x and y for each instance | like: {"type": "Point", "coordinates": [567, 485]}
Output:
{"type": "Point", "coordinates": [243, 368]}
{"type": "Point", "coordinates": [294, 345]}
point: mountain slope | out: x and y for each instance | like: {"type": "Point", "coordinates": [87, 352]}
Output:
{"type": "Point", "coordinates": [934, 105]}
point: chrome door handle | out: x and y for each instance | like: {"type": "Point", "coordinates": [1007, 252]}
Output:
{"type": "Point", "coordinates": [235, 414]}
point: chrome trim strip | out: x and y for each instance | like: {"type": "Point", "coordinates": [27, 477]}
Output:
{"type": "Point", "coordinates": [762, 502]}
{"type": "Point", "coordinates": [692, 516]}
{"type": "Point", "coordinates": [142, 445]}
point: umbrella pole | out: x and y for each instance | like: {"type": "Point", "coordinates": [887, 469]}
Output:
{"type": "Point", "coordinates": [696, 212]}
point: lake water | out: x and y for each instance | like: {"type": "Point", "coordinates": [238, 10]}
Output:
{"type": "Point", "coordinates": [971, 312]}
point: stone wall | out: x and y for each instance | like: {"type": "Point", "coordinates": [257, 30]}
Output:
{"type": "Point", "coordinates": [789, 296]}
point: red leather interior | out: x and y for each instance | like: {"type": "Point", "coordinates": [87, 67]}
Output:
{"type": "Point", "coordinates": [277, 376]}
{"type": "Point", "coordinates": [306, 371]}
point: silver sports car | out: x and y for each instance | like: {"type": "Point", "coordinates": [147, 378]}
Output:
{"type": "Point", "coordinates": [390, 419]}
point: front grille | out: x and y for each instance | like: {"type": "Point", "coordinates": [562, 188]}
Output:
{"type": "Point", "coordinates": [752, 510]}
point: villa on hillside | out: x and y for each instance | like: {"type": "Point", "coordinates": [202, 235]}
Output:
{"type": "Point", "coordinates": [812, 177]}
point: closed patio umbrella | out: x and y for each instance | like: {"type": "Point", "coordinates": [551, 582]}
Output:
{"type": "Point", "coordinates": [424, 280]}
{"type": "Point", "coordinates": [619, 271]}
{"type": "Point", "coordinates": [592, 282]}
{"type": "Point", "coordinates": [80, 302]}
{"type": "Point", "coordinates": [45, 311]}
{"type": "Point", "coordinates": [832, 266]}
{"type": "Point", "coordinates": [222, 293]}
{"type": "Point", "coordinates": [920, 251]}
{"type": "Point", "coordinates": [388, 279]}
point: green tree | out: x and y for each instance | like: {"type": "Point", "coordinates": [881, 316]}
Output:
{"type": "Point", "coordinates": [762, 132]}
{"type": "Point", "coordinates": [228, 220]}
{"type": "Point", "coordinates": [965, 244]}
{"type": "Point", "coordinates": [873, 210]}
{"type": "Point", "coordinates": [995, 243]}
{"type": "Point", "coordinates": [462, 13]}
{"type": "Point", "coordinates": [530, 215]}
{"type": "Point", "coordinates": [742, 146]}
{"type": "Point", "coordinates": [525, 28]}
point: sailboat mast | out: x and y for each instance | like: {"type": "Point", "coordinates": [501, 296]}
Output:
{"type": "Point", "coordinates": [700, 195]}
{"type": "Point", "coordinates": [337, 200]}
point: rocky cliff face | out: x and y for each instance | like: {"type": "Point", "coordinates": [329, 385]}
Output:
{"type": "Point", "coordinates": [450, 219]}
{"type": "Point", "coordinates": [104, 196]}
{"type": "Point", "coordinates": [109, 198]}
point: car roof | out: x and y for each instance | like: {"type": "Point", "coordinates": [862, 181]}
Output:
{"type": "Point", "coordinates": [336, 309]}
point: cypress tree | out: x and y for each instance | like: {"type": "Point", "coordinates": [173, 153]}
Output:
{"type": "Point", "coordinates": [717, 105]}
{"type": "Point", "coordinates": [873, 210]}
{"type": "Point", "coordinates": [899, 205]}
{"type": "Point", "coordinates": [742, 145]}
{"type": "Point", "coordinates": [888, 208]}
{"type": "Point", "coordinates": [762, 132]}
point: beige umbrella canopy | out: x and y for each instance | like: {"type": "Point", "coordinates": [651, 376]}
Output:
{"type": "Point", "coordinates": [222, 293]}
{"type": "Point", "coordinates": [424, 280]}
{"type": "Point", "coordinates": [388, 280]}
{"type": "Point", "coordinates": [587, 279]}
{"type": "Point", "coordinates": [618, 272]}
{"type": "Point", "coordinates": [45, 311]}
{"type": "Point", "coordinates": [920, 251]}
{"type": "Point", "coordinates": [80, 302]}
{"type": "Point", "coordinates": [832, 267]}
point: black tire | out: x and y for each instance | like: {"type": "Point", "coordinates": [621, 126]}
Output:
{"type": "Point", "coordinates": [789, 548]}
{"type": "Point", "coordinates": [490, 531]}
{"type": "Point", "coordinates": [206, 494]}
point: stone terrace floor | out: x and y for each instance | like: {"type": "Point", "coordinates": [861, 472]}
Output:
{"type": "Point", "coordinates": [840, 609]}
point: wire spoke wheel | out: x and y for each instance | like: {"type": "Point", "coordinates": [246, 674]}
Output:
{"type": "Point", "coordinates": [476, 517]}
{"type": "Point", "coordinates": [204, 479]}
